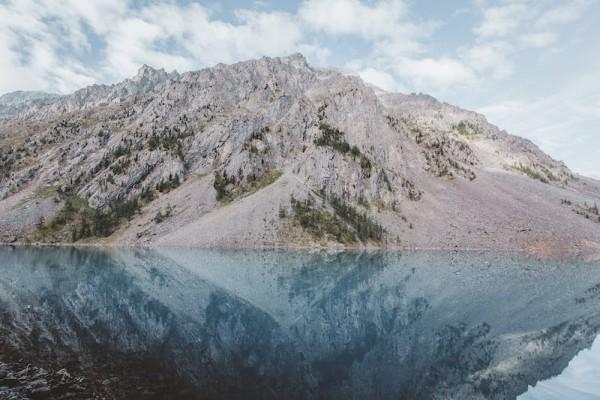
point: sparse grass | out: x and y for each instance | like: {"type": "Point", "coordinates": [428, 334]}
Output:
{"type": "Point", "coordinates": [378, 203]}
{"type": "Point", "coordinates": [467, 129]}
{"type": "Point", "coordinates": [590, 212]}
{"type": "Point", "coordinates": [121, 166]}
{"type": "Point", "coordinates": [172, 182]}
{"type": "Point", "coordinates": [229, 188]}
{"type": "Point", "coordinates": [199, 177]}
{"type": "Point", "coordinates": [41, 193]}
{"type": "Point", "coordinates": [531, 173]}
{"type": "Point", "coordinates": [77, 220]}
{"type": "Point", "coordinates": [263, 181]}
{"type": "Point", "coordinates": [170, 140]}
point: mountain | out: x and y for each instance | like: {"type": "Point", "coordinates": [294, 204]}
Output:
{"type": "Point", "coordinates": [15, 103]}
{"type": "Point", "coordinates": [274, 152]}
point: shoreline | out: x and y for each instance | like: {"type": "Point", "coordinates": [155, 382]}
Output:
{"type": "Point", "coordinates": [556, 253]}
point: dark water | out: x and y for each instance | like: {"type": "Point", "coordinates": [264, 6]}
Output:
{"type": "Point", "coordinates": [291, 325]}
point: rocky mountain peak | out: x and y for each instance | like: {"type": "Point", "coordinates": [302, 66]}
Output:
{"type": "Point", "coordinates": [273, 151]}
{"type": "Point", "coordinates": [297, 59]}
{"type": "Point", "coordinates": [148, 74]}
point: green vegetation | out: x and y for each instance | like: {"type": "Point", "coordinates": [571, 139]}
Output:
{"type": "Point", "coordinates": [446, 156]}
{"type": "Point", "coordinates": [170, 140]}
{"type": "Point", "coordinates": [346, 224]}
{"type": "Point", "coordinates": [41, 193]}
{"type": "Point", "coordinates": [77, 220]}
{"type": "Point", "coordinates": [532, 173]}
{"type": "Point", "coordinates": [121, 166]}
{"type": "Point", "coordinates": [165, 186]}
{"type": "Point", "coordinates": [591, 212]}
{"type": "Point", "coordinates": [221, 185]}
{"type": "Point", "coordinates": [228, 187]}
{"type": "Point", "coordinates": [365, 227]}
{"type": "Point", "coordinates": [332, 137]}
{"type": "Point", "coordinates": [11, 158]}
{"type": "Point", "coordinates": [7, 164]}
{"type": "Point", "coordinates": [121, 151]}
{"type": "Point", "coordinates": [467, 129]}
{"type": "Point", "coordinates": [263, 181]}
{"type": "Point", "coordinates": [319, 223]}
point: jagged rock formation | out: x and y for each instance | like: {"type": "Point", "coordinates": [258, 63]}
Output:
{"type": "Point", "coordinates": [274, 152]}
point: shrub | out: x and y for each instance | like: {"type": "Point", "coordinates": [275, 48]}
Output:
{"type": "Point", "coordinates": [334, 138]}
{"type": "Point", "coordinates": [346, 224]}
{"type": "Point", "coordinates": [228, 188]}
{"type": "Point", "coordinates": [77, 220]}
{"type": "Point", "coordinates": [468, 129]}
{"type": "Point", "coordinates": [222, 180]}
{"type": "Point", "coordinates": [365, 227]}
{"type": "Point", "coordinates": [121, 151]}
{"type": "Point", "coordinates": [165, 186]}
{"type": "Point", "coordinates": [320, 223]}
{"type": "Point", "coordinates": [531, 173]}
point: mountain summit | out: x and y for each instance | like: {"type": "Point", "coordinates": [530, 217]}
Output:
{"type": "Point", "coordinates": [274, 152]}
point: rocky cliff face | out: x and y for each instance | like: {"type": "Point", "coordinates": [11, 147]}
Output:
{"type": "Point", "coordinates": [275, 152]}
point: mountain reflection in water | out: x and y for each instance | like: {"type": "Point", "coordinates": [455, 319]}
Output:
{"type": "Point", "coordinates": [173, 323]}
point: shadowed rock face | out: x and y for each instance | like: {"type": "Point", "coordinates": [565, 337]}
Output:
{"type": "Point", "coordinates": [208, 324]}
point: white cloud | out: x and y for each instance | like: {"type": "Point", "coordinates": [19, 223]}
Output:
{"type": "Point", "coordinates": [538, 39]}
{"type": "Point", "coordinates": [195, 39]}
{"type": "Point", "coordinates": [353, 17]}
{"type": "Point", "coordinates": [435, 73]}
{"type": "Point", "coordinates": [381, 79]}
{"type": "Point", "coordinates": [501, 21]}
{"type": "Point", "coordinates": [491, 58]}
{"type": "Point", "coordinates": [515, 25]}
{"type": "Point", "coordinates": [395, 39]}
{"type": "Point", "coordinates": [568, 11]}
{"type": "Point", "coordinates": [34, 36]}
{"type": "Point", "coordinates": [385, 24]}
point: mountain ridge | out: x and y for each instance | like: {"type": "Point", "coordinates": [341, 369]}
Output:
{"type": "Point", "coordinates": [274, 152]}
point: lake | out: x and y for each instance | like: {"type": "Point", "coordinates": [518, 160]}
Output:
{"type": "Point", "coordinates": [207, 324]}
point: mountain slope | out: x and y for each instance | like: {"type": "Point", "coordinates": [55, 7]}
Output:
{"type": "Point", "coordinates": [273, 152]}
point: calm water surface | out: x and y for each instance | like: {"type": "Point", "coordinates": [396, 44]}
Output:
{"type": "Point", "coordinates": [174, 323]}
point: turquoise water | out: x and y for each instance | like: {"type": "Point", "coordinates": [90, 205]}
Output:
{"type": "Point", "coordinates": [174, 323]}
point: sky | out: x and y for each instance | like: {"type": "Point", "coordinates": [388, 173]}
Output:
{"type": "Point", "coordinates": [531, 66]}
